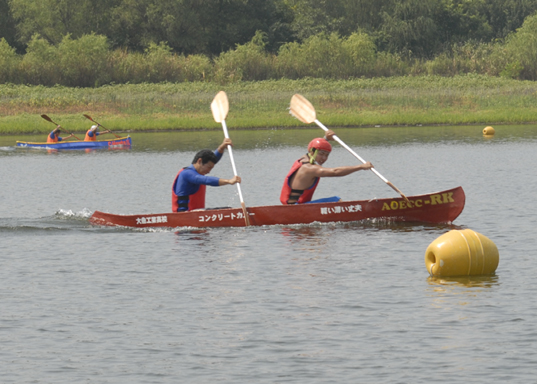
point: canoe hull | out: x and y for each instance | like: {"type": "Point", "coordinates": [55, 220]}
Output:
{"type": "Point", "coordinates": [439, 207]}
{"type": "Point", "coordinates": [117, 143]}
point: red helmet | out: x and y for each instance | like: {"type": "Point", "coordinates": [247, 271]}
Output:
{"type": "Point", "coordinates": [320, 144]}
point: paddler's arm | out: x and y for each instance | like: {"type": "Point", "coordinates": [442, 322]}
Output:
{"type": "Point", "coordinates": [318, 171]}
{"type": "Point", "coordinates": [220, 150]}
{"type": "Point", "coordinates": [210, 180]}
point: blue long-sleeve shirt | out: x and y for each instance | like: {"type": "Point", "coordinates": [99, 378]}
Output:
{"type": "Point", "coordinates": [189, 180]}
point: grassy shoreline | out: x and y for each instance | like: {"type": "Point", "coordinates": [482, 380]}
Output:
{"type": "Point", "coordinates": [396, 101]}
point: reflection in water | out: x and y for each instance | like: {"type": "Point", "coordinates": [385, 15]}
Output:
{"type": "Point", "coordinates": [403, 227]}
{"type": "Point", "coordinates": [303, 232]}
{"type": "Point", "coordinates": [443, 284]}
{"type": "Point", "coordinates": [314, 229]}
{"type": "Point", "coordinates": [192, 234]}
{"type": "Point", "coordinates": [455, 294]}
{"type": "Point", "coordinates": [311, 238]}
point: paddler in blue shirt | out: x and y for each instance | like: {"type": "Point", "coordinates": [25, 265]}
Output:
{"type": "Point", "coordinates": [93, 132]}
{"type": "Point", "coordinates": [188, 190]}
{"type": "Point", "coordinates": [54, 136]}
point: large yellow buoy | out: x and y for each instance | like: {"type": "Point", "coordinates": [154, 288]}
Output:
{"type": "Point", "coordinates": [461, 253]}
{"type": "Point", "coordinates": [489, 130]}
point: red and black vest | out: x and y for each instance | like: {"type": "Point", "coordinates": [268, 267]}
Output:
{"type": "Point", "coordinates": [305, 195]}
{"type": "Point", "coordinates": [195, 201]}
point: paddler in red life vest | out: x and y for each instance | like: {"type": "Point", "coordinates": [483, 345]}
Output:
{"type": "Point", "coordinates": [188, 190]}
{"type": "Point", "coordinates": [303, 178]}
{"type": "Point", "coordinates": [93, 132]}
{"type": "Point", "coordinates": [54, 136]}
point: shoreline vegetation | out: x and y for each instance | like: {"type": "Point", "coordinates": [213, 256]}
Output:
{"type": "Point", "coordinates": [348, 78]}
{"type": "Point", "coordinates": [367, 102]}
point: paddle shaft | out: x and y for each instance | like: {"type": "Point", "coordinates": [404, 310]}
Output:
{"type": "Point", "coordinates": [220, 108]}
{"type": "Point", "coordinates": [246, 216]}
{"type": "Point", "coordinates": [51, 121]}
{"type": "Point", "coordinates": [361, 160]}
{"type": "Point", "coordinates": [90, 118]}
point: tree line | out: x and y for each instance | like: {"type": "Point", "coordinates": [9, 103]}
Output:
{"type": "Point", "coordinates": [91, 43]}
{"type": "Point", "coordinates": [420, 28]}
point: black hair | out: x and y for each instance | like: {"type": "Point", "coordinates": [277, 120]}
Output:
{"type": "Point", "coordinates": [206, 156]}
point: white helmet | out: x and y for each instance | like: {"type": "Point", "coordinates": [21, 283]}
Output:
{"type": "Point", "coordinates": [94, 127]}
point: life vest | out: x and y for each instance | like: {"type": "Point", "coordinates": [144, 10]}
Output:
{"type": "Point", "coordinates": [90, 138]}
{"type": "Point", "coordinates": [305, 195]}
{"type": "Point", "coordinates": [195, 201]}
{"type": "Point", "coordinates": [50, 140]}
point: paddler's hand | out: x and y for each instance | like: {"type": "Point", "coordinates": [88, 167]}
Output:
{"type": "Point", "coordinates": [224, 145]}
{"type": "Point", "coordinates": [367, 166]}
{"type": "Point", "coordinates": [235, 179]}
{"type": "Point", "coordinates": [329, 135]}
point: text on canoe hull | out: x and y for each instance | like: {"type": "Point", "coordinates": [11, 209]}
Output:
{"type": "Point", "coordinates": [435, 199]}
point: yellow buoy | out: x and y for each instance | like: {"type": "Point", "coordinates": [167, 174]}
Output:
{"type": "Point", "coordinates": [461, 253]}
{"type": "Point", "coordinates": [489, 130]}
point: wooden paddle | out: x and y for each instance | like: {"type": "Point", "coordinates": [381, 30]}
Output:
{"type": "Point", "coordinates": [89, 117]}
{"type": "Point", "coordinates": [220, 108]}
{"type": "Point", "coordinates": [303, 110]}
{"type": "Point", "coordinates": [51, 121]}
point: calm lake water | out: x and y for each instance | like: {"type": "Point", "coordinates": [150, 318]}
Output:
{"type": "Point", "coordinates": [334, 303]}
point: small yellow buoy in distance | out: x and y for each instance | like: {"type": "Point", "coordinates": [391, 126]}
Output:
{"type": "Point", "coordinates": [489, 130]}
{"type": "Point", "coordinates": [461, 253]}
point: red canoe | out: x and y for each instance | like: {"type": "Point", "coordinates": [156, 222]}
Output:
{"type": "Point", "coordinates": [438, 207]}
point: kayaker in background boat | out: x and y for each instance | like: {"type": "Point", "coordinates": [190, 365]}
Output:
{"type": "Point", "coordinates": [93, 132]}
{"type": "Point", "coordinates": [54, 136]}
{"type": "Point", "coordinates": [303, 178]}
{"type": "Point", "coordinates": [188, 190]}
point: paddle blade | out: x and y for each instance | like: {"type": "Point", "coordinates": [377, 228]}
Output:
{"type": "Point", "coordinates": [88, 117]}
{"type": "Point", "coordinates": [47, 118]}
{"type": "Point", "coordinates": [220, 107]}
{"type": "Point", "coordinates": [302, 109]}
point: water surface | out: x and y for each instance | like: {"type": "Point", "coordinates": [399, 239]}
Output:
{"type": "Point", "coordinates": [333, 303]}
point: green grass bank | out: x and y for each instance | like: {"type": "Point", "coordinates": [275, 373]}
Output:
{"type": "Point", "coordinates": [426, 100]}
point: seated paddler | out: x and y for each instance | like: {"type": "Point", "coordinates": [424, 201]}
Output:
{"type": "Point", "coordinates": [303, 178]}
{"type": "Point", "coordinates": [54, 136]}
{"type": "Point", "coordinates": [93, 132]}
{"type": "Point", "coordinates": [188, 190]}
